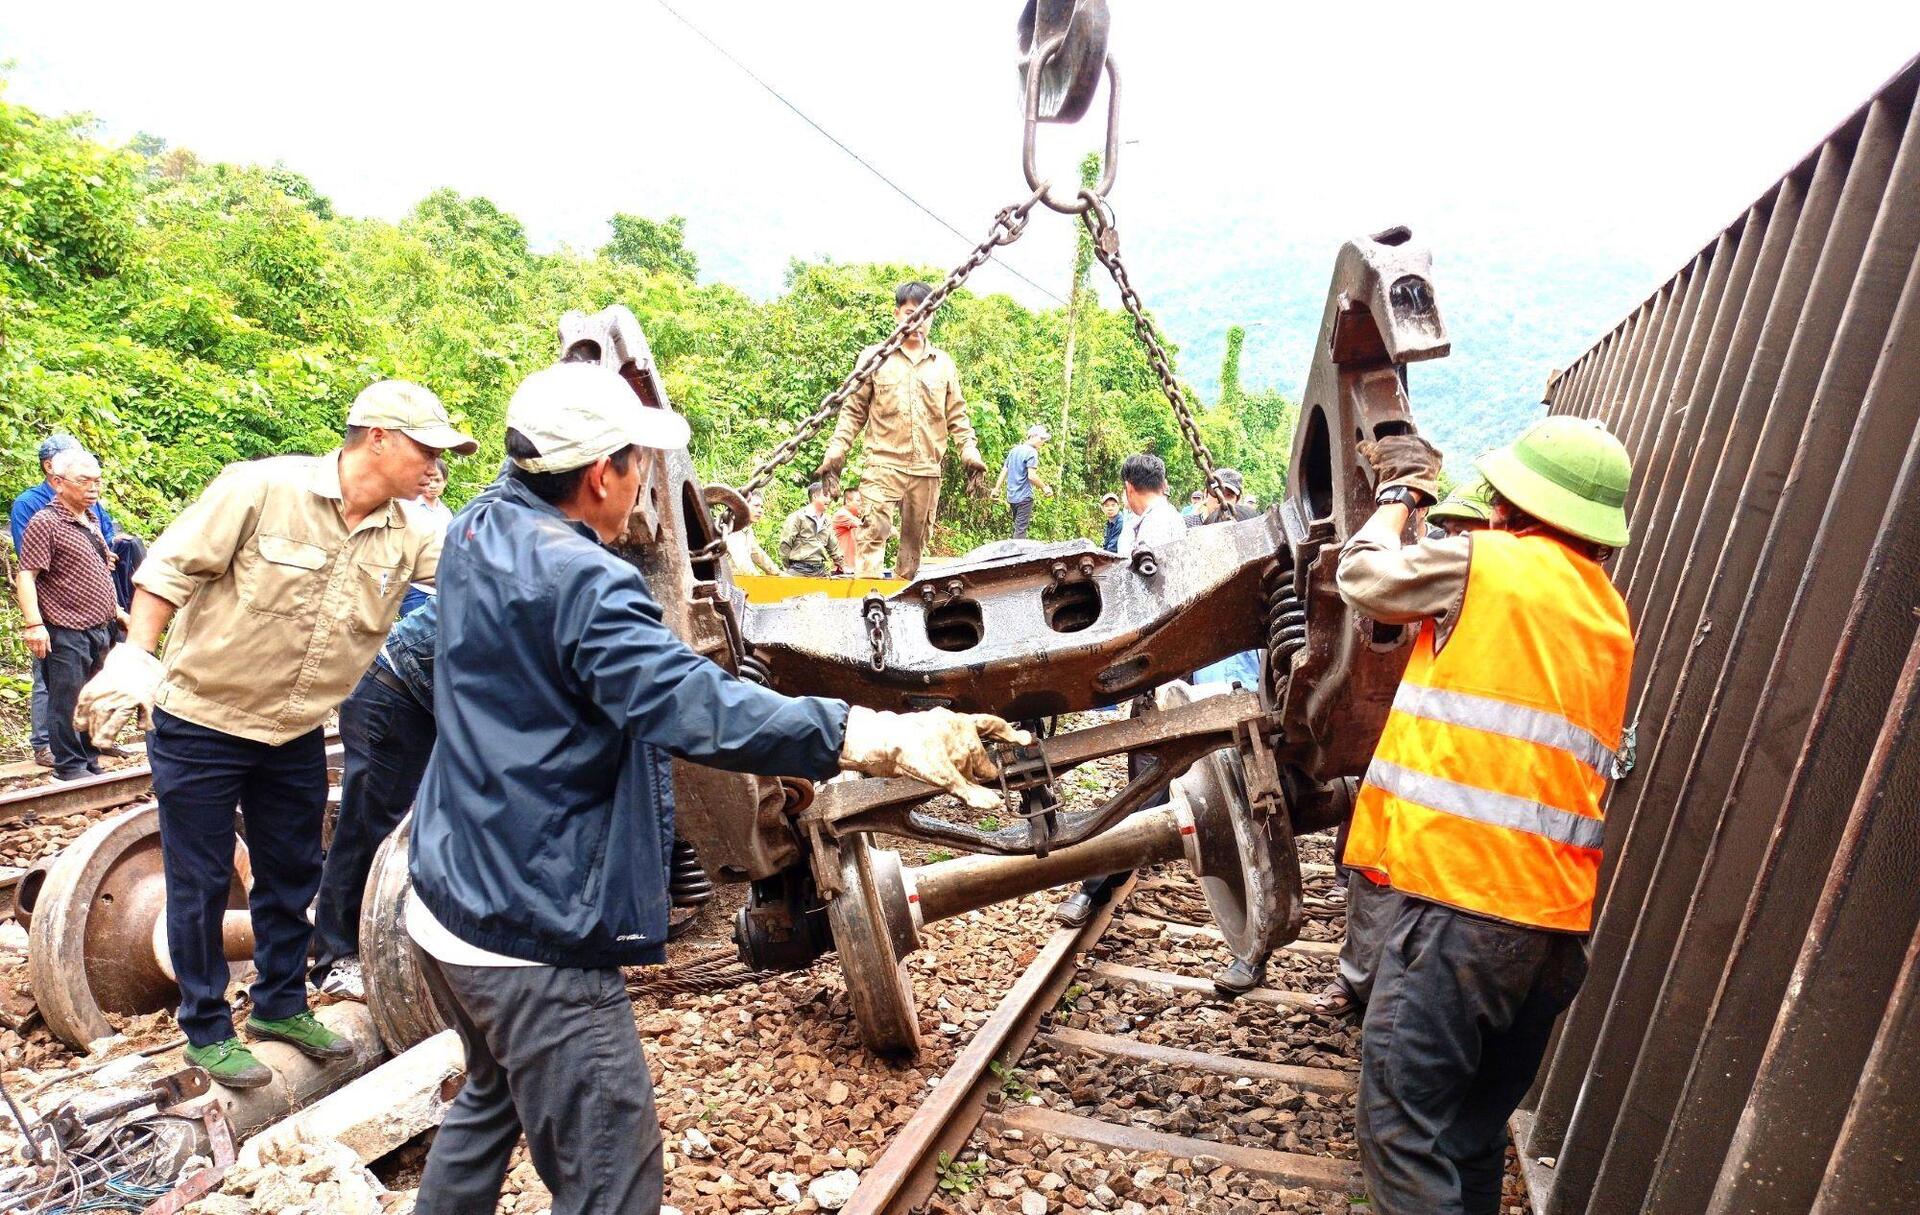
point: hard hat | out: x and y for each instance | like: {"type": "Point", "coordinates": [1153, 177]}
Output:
{"type": "Point", "coordinates": [1568, 473]}
{"type": "Point", "coordinates": [1472, 501]}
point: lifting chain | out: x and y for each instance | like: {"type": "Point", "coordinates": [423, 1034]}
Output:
{"type": "Point", "coordinates": [1008, 226]}
{"type": "Point", "coordinates": [1099, 220]}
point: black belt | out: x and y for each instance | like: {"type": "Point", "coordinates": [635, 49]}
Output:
{"type": "Point", "coordinates": [393, 683]}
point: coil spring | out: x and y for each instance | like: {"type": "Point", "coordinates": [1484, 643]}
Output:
{"type": "Point", "coordinates": [1286, 624]}
{"type": "Point", "coordinates": [751, 667]}
{"type": "Point", "coordinates": [687, 882]}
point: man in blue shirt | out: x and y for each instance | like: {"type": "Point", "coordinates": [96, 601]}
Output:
{"type": "Point", "coordinates": [1021, 473]}
{"type": "Point", "coordinates": [544, 826]}
{"type": "Point", "coordinates": [387, 731]}
{"type": "Point", "coordinates": [30, 502]}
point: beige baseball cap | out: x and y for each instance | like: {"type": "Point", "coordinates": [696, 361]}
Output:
{"type": "Point", "coordinates": [413, 411]}
{"type": "Point", "coordinates": [575, 413]}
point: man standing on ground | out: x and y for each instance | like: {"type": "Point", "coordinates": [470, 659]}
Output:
{"type": "Point", "coordinates": [743, 547]}
{"type": "Point", "coordinates": [439, 515]}
{"type": "Point", "coordinates": [1151, 522]}
{"type": "Point", "coordinates": [1481, 809]}
{"type": "Point", "coordinates": [1021, 474]}
{"type": "Point", "coordinates": [1195, 507]}
{"type": "Point", "coordinates": [67, 603]}
{"type": "Point", "coordinates": [1467, 509]}
{"type": "Point", "coordinates": [543, 832]}
{"type": "Point", "coordinates": [806, 542]}
{"type": "Point", "coordinates": [909, 410]}
{"type": "Point", "coordinates": [846, 527]}
{"type": "Point", "coordinates": [286, 574]}
{"type": "Point", "coordinates": [30, 502]}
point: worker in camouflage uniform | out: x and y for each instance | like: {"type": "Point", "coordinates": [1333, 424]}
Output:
{"type": "Point", "coordinates": [910, 410]}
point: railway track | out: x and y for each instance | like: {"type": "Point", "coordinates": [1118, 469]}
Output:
{"type": "Point", "coordinates": [1111, 1077]}
{"type": "Point", "coordinates": [37, 821]}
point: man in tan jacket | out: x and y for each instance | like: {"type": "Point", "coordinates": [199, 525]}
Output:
{"type": "Point", "coordinates": [910, 410]}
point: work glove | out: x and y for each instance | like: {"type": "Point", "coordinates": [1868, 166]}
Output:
{"type": "Point", "coordinates": [1407, 460]}
{"type": "Point", "coordinates": [125, 688]}
{"type": "Point", "coordinates": [831, 466]}
{"type": "Point", "coordinates": [937, 746]}
{"type": "Point", "coordinates": [976, 471]}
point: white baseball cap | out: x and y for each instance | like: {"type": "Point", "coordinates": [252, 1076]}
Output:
{"type": "Point", "coordinates": [413, 411]}
{"type": "Point", "coordinates": [1039, 433]}
{"type": "Point", "coordinates": [575, 413]}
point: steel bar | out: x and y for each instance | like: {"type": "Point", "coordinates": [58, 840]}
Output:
{"type": "Point", "coordinates": [1675, 837]}
{"type": "Point", "coordinates": [1868, 908]}
{"type": "Point", "coordinates": [1660, 481]}
{"type": "Point", "coordinates": [1872, 1164]}
{"type": "Point", "coordinates": [1667, 419]}
{"type": "Point", "coordinates": [1847, 568]}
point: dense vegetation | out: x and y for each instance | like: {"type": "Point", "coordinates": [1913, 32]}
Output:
{"type": "Point", "coordinates": [177, 315]}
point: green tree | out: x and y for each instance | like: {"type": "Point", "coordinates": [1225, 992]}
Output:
{"type": "Point", "coordinates": [656, 246]}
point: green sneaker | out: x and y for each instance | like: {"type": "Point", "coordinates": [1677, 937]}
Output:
{"type": "Point", "coordinates": [230, 1063]}
{"type": "Point", "coordinates": [304, 1032]}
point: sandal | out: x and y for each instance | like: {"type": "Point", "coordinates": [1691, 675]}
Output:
{"type": "Point", "coordinates": [1334, 1000]}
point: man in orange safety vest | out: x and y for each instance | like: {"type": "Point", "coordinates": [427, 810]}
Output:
{"type": "Point", "coordinates": [1480, 816]}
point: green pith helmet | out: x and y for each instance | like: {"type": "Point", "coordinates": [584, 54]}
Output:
{"type": "Point", "coordinates": [1472, 502]}
{"type": "Point", "coordinates": [1568, 473]}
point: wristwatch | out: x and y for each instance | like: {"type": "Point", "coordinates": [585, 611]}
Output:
{"type": "Point", "coordinates": [1405, 495]}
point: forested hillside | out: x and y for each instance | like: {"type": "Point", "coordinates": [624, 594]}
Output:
{"type": "Point", "coordinates": [177, 315]}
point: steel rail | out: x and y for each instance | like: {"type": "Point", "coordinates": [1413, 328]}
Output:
{"type": "Point", "coordinates": [121, 787]}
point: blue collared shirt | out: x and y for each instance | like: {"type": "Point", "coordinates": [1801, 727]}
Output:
{"type": "Point", "coordinates": [30, 502]}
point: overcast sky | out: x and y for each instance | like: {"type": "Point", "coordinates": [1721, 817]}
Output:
{"type": "Point", "coordinates": [1624, 130]}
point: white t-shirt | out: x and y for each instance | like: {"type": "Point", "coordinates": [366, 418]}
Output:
{"type": "Point", "coordinates": [431, 935]}
{"type": "Point", "coordinates": [1158, 525]}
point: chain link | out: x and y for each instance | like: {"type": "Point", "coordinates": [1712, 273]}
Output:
{"type": "Point", "coordinates": [1099, 220]}
{"type": "Point", "coordinates": [1008, 226]}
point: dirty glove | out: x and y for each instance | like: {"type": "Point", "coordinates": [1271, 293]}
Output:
{"type": "Point", "coordinates": [125, 688]}
{"type": "Point", "coordinates": [1407, 460]}
{"type": "Point", "coordinates": [976, 468]}
{"type": "Point", "coordinates": [828, 474]}
{"type": "Point", "coordinates": [937, 746]}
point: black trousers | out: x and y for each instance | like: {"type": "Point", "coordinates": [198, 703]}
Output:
{"type": "Point", "coordinates": [1461, 1011]}
{"type": "Point", "coordinates": [552, 1052]}
{"type": "Point", "coordinates": [199, 777]}
{"type": "Point", "coordinates": [128, 553]}
{"type": "Point", "coordinates": [73, 657]}
{"type": "Point", "coordinates": [387, 736]}
{"type": "Point", "coordinates": [1022, 516]}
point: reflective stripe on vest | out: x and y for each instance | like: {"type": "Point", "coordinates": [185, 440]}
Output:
{"type": "Point", "coordinates": [1502, 717]}
{"type": "Point", "coordinates": [1486, 806]}
{"type": "Point", "coordinates": [1485, 790]}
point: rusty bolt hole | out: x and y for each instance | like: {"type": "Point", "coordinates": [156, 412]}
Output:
{"type": "Point", "coordinates": [1070, 606]}
{"type": "Point", "coordinates": [955, 625]}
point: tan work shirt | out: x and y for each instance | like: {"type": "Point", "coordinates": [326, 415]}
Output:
{"type": "Point", "coordinates": [910, 410]}
{"type": "Point", "coordinates": [1397, 583]}
{"type": "Point", "coordinates": [282, 608]}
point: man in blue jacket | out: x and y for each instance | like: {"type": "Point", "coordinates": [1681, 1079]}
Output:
{"type": "Point", "coordinates": [543, 827]}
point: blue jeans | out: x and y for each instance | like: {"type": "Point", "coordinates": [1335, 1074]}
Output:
{"type": "Point", "coordinates": [38, 736]}
{"type": "Point", "coordinates": [199, 777]}
{"type": "Point", "coordinates": [387, 736]}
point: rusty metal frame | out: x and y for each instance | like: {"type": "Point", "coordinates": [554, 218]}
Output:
{"type": "Point", "coordinates": [1739, 975]}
